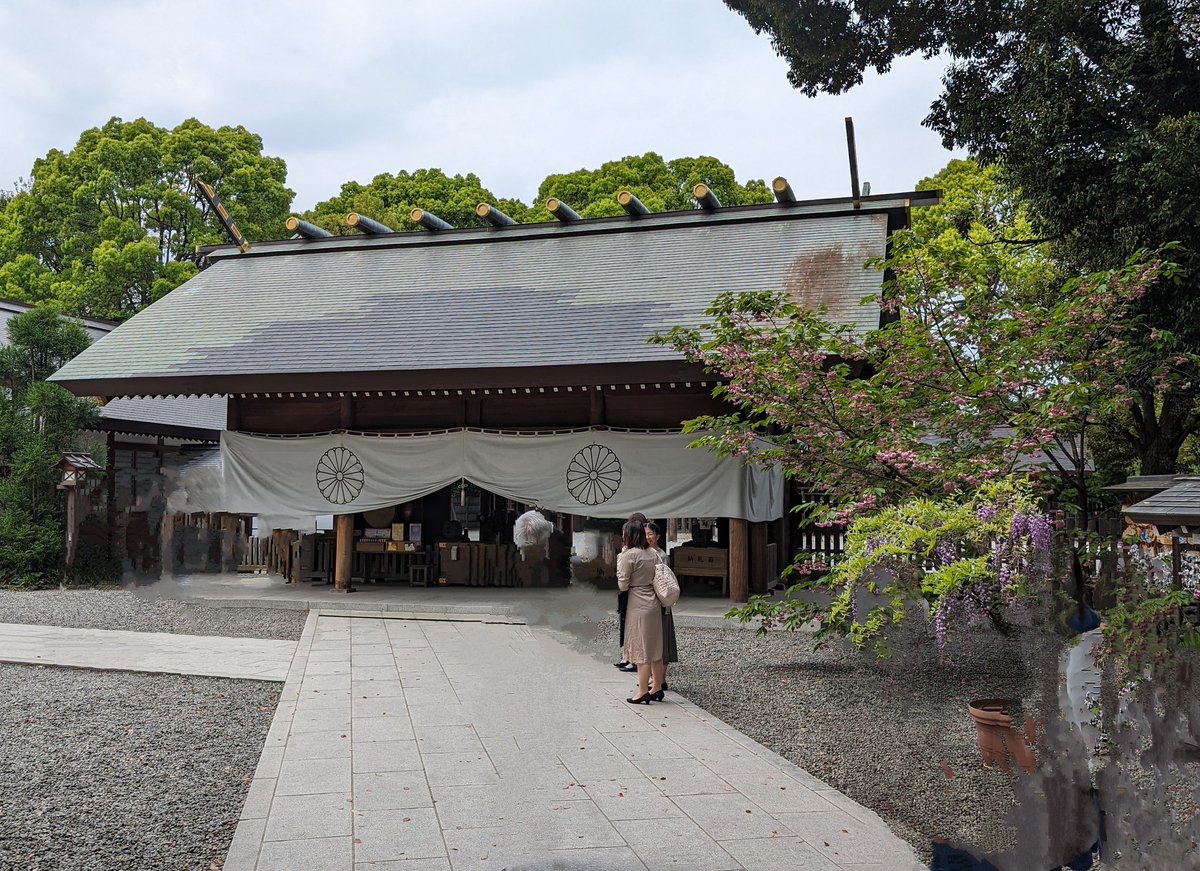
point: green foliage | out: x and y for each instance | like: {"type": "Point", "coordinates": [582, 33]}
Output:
{"type": "Point", "coordinates": [113, 225]}
{"type": "Point", "coordinates": [663, 186]}
{"type": "Point", "coordinates": [391, 198]}
{"type": "Point", "coordinates": [38, 421]}
{"type": "Point", "coordinates": [982, 561]}
{"type": "Point", "coordinates": [1146, 628]}
{"type": "Point", "coordinates": [977, 370]}
{"type": "Point", "coordinates": [1091, 110]}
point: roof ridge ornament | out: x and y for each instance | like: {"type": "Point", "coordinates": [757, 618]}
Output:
{"type": "Point", "coordinates": [705, 198]}
{"type": "Point", "coordinates": [782, 190]}
{"type": "Point", "coordinates": [493, 216]}
{"type": "Point", "coordinates": [209, 194]}
{"type": "Point", "coordinates": [631, 204]}
{"type": "Point", "coordinates": [429, 220]}
{"type": "Point", "coordinates": [368, 225]}
{"type": "Point", "coordinates": [855, 191]}
{"type": "Point", "coordinates": [561, 210]}
{"type": "Point", "coordinates": [305, 229]}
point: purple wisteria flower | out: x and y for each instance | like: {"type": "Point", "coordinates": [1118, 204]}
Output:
{"type": "Point", "coordinates": [946, 552]}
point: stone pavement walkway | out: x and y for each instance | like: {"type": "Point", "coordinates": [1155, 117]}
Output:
{"type": "Point", "coordinates": [423, 745]}
{"type": "Point", "coordinates": [114, 650]}
{"type": "Point", "coordinates": [533, 605]}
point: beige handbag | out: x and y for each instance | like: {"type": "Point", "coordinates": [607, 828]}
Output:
{"type": "Point", "coordinates": [666, 585]}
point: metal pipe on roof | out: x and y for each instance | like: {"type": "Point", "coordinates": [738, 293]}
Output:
{"type": "Point", "coordinates": [631, 204]}
{"type": "Point", "coordinates": [866, 189]}
{"type": "Point", "coordinates": [783, 190]}
{"type": "Point", "coordinates": [368, 225]}
{"type": "Point", "coordinates": [493, 216]}
{"type": "Point", "coordinates": [561, 210]}
{"type": "Point", "coordinates": [429, 220]}
{"type": "Point", "coordinates": [705, 197]}
{"type": "Point", "coordinates": [305, 229]}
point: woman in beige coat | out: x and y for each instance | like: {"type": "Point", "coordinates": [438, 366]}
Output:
{"type": "Point", "coordinates": [643, 614]}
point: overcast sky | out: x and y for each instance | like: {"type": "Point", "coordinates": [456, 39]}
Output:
{"type": "Point", "coordinates": [509, 90]}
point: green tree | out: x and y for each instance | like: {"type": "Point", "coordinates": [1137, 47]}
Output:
{"type": "Point", "coordinates": [38, 421]}
{"type": "Point", "coordinates": [391, 198]}
{"type": "Point", "coordinates": [991, 354]}
{"type": "Point", "coordinates": [662, 185]}
{"type": "Point", "coordinates": [1092, 110]}
{"type": "Point", "coordinates": [113, 224]}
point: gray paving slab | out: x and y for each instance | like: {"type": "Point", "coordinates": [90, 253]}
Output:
{"type": "Point", "coordinates": [311, 854]}
{"type": "Point", "coordinates": [498, 746]}
{"type": "Point", "coordinates": [391, 790]}
{"type": "Point", "coordinates": [119, 650]}
{"type": "Point", "coordinates": [388, 835]}
{"type": "Point", "coordinates": [405, 865]}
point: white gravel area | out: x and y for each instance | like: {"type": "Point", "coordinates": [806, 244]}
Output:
{"type": "Point", "coordinates": [893, 735]}
{"type": "Point", "coordinates": [102, 771]}
{"type": "Point", "coordinates": [142, 612]}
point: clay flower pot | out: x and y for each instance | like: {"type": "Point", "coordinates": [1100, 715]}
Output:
{"type": "Point", "coordinates": [998, 740]}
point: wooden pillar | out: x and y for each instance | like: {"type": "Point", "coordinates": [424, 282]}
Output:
{"type": "Point", "coordinates": [229, 542]}
{"type": "Point", "coordinates": [739, 561]}
{"type": "Point", "coordinates": [758, 558]}
{"type": "Point", "coordinates": [72, 525]}
{"type": "Point", "coordinates": [343, 530]}
{"type": "Point", "coordinates": [110, 492]}
{"type": "Point", "coordinates": [596, 408]}
{"type": "Point", "coordinates": [1176, 560]}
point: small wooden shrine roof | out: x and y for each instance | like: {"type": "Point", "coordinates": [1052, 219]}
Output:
{"type": "Point", "coordinates": [1178, 505]}
{"type": "Point", "coordinates": [551, 303]}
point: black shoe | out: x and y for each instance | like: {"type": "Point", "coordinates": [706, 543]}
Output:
{"type": "Point", "coordinates": [642, 700]}
{"type": "Point", "coordinates": [656, 697]}
{"type": "Point", "coordinates": [665, 686]}
{"type": "Point", "coordinates": [629, 666]}
{"type": "Point", "coordinates": [621, 664]}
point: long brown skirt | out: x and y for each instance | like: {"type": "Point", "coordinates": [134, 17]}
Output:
{"type": "Point", "coordinates": [643, 626]}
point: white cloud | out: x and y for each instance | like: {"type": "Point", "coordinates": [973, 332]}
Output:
{"type": "Point", "coordinates": [511, 91]}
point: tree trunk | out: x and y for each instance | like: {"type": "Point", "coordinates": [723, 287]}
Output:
{"type": "Point", "coordinates": [1161, 430]}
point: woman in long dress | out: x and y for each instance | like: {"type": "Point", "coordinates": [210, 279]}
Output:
{"type": "Point", "coordinates": [643, 613]}
{"type": "Point", "coordinates": [670, 646]}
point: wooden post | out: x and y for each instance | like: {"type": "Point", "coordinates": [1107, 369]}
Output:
{"type": "Point", "coordinates": [596, 408]}
{"type": "Point", "coordinates": [1176, 560]}
{"type": "Point", "coordinates": [72, 528]}
{"type": "Point", "coordinates": [739, 574]}
{"type": "Point", "coordinates": [758, 558]}
{"type": "Point", "coordinates": [110, 493]}
{"type": "Point", "coordinates": [343, 529]}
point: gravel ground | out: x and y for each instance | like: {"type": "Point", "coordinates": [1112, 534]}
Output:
{"type": "Point", "coordinates": [895, 735]}
{"type": "Point", "coordinates": [123, 609]}
{"type": "Point", "coordinates": [109, 771]}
